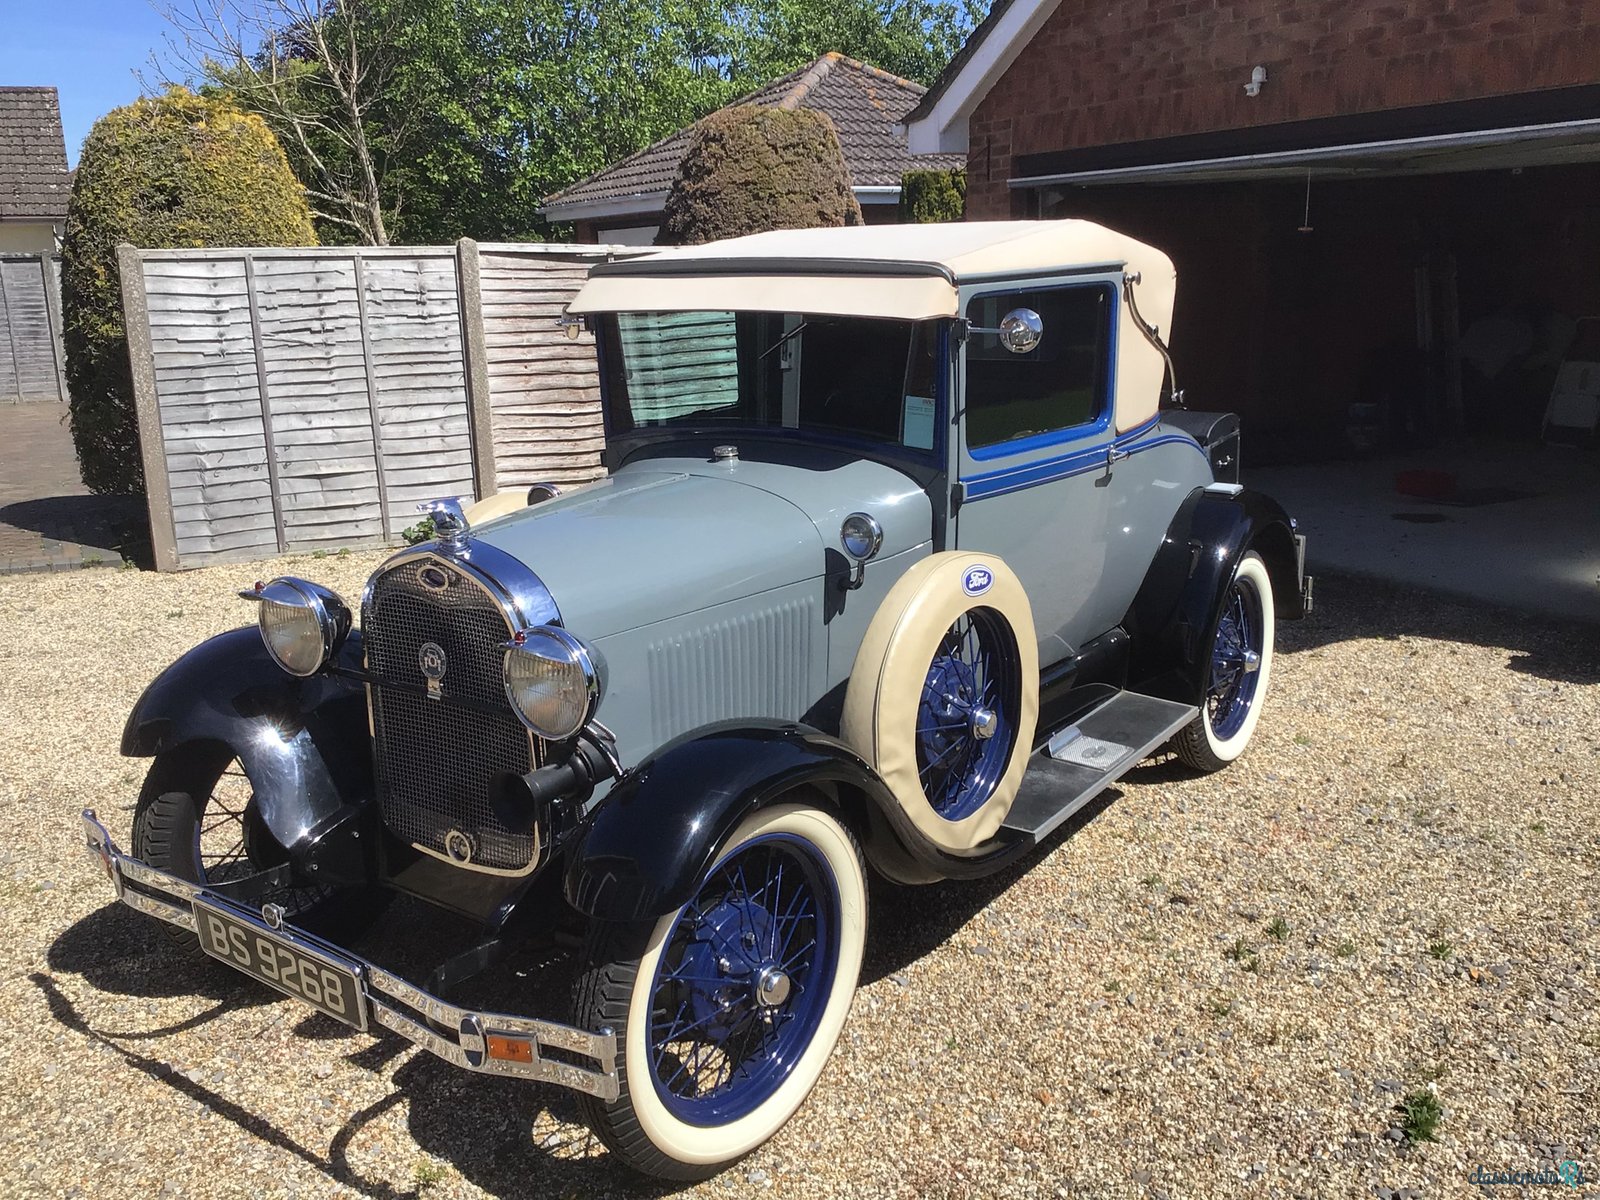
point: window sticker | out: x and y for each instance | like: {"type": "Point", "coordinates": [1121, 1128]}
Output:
{"type": "Point", "coordinates": [916, 426]}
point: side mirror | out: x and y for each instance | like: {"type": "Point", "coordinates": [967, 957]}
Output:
{"type": "Point", "coordinates": [1021, 330]}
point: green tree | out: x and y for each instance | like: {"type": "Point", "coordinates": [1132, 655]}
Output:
{"type": "Point", "coordinates": [929, 196]}
{"type": "Point", "coordinates": [470, 112]}
{"type": "Point", "coordinates": [750, 169]}
{"type": "Point", "coordinates": [166, 171]}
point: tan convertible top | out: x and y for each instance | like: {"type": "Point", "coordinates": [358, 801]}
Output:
{"type": "Point", "coordinates": [910, 272]}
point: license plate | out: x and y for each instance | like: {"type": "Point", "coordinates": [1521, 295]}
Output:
{"type": "Point", "coordinates": [276, 959]}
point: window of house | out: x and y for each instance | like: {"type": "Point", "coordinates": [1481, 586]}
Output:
{"type": "Point", "coordinates": [1061, 384]}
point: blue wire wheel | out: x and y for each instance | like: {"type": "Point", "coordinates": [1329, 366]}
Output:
{"type": "Point", "coordinates": [1237, 653]}
{"type": "Point", "coordinates": [967, 717]}
{"type": "Point", "coordinates": [744, 979]}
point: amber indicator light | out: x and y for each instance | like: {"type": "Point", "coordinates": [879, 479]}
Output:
{"type": "Point", "coordinates": [510, 1049]}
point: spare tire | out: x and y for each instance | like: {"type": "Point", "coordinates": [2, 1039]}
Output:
{"type": "Point", "coordinates": [944, 695]}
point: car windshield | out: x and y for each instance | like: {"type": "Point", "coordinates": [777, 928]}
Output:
{"type": "Point", "coordinates": [850, 377]}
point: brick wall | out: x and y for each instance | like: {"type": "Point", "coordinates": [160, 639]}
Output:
{"type": "Point", "coordinates": [1108, 71]}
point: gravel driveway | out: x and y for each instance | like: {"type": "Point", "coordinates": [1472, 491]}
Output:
{"type": "Point", "coordinates": [1204, 987]}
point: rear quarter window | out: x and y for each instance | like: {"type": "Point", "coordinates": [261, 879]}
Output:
{"type": "Point", "coordinates": [1059, 385]}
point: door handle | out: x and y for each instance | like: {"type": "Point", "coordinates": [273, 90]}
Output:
{"type": "Point", "coordinates": [1115, 455]}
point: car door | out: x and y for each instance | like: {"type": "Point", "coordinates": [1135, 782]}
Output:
{"type": "Point", "coordinates": [1033, 459]}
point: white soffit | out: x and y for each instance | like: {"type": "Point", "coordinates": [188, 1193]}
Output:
{"type": "Point", "coordinates": [944, 129]}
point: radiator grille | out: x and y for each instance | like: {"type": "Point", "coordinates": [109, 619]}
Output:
{"type": "Point", "coordinates": [436, 759]}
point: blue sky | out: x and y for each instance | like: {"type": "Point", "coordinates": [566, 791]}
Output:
{"type": "Point", "coordinates": [87, 49]}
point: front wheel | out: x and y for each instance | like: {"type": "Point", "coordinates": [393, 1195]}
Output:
{"type": "Point", "coordinates": [1238, 672]}
{"type": "Point", "coordinates": [727, 1009]}
{"type": "Point", "coordinates": [198, 819]}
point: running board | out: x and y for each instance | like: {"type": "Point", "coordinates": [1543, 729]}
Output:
{"type": "Point", "coordinates": [1084, 759]}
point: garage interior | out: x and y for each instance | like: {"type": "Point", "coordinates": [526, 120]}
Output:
{"type": "Point", "coordinates": [1389, 314]}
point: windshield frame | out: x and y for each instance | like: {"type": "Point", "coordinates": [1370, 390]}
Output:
{"type": "Point", "coordinates": [621, 446]}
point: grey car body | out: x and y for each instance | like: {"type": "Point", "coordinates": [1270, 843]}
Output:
{"type": "Point", "coordinates": [897, 543]}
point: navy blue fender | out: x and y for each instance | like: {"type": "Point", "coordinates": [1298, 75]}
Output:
{"type": "Point", "coordinates": [303, 742]}
{"type": "Point", "coordinates": [1171, 618]}
{"type": "Point", "coordinates": [643, 851]}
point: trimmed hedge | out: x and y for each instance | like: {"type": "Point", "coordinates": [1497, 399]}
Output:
{"type": "Point", "coordinates": [749, 169]}
{"type": "Point", "coordinates": [166, 171]}
{"type": "Point", "coordinates": [931, 196]}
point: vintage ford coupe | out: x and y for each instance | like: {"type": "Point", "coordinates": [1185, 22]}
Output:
{"type": "Point", "coordinates": [906, 551]}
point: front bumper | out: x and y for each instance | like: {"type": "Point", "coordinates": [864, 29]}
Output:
{"type": "Point", "coordinates": [476, 1038]}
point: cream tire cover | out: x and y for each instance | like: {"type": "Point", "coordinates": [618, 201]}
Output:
{"type": "Point", "coordinates": [891, 668]}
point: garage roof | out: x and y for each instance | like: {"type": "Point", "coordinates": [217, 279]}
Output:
{"type": "Point", "coordinates": [863, 102]}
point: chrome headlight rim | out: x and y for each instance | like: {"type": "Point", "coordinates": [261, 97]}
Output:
{"type": "Point", "coordinates": [324, 606]}
{"type": "Point", "coordinates": [575, 653]}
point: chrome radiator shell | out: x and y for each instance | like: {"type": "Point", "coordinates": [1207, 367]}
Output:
{"type": "Point", "coordinates": [433, 626]}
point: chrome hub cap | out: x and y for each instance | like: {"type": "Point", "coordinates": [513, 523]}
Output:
{"type": "Point", "coordinates": [984, 722]}
{"type": "Point", "coordinates": [772, 987]}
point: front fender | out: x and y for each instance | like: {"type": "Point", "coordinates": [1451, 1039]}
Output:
{"type": "Point", "coordinates": [643, 851]}
{"type": "Point", "coordinates": [1176, 606]}
{"type": "Point", "coordinates": [303, 742]}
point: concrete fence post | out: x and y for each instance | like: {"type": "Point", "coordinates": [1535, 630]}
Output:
{"type": "Point", "coordinates": [475, 356]}
{"type": "Point", "coordinates": [152, 447]}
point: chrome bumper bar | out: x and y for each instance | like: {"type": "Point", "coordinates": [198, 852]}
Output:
{"type": "Point", "coordinates": [489, 1043]}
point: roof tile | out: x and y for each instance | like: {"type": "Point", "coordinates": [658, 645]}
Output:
{"type": "Point", "coordinates": [864, 103]}
{"type": "Point", "coordinates": [34, 183]}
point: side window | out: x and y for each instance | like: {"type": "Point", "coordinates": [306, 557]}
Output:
{"type": "Point", "coordinates": [1061, 383]}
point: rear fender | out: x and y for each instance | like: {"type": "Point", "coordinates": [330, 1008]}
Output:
{"type": "Point", "coordinates": [303, 742]}
{"type": "Point", "coordinates": [1177, 604]}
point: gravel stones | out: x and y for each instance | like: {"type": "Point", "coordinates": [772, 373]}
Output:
{"type": "Point", "coordinates": [1108, 1043]}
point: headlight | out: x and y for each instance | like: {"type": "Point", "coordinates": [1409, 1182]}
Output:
{"type": "Point", "coordinates": [551, 681]}
{"type": "Point", "coordinates": [303, 624]}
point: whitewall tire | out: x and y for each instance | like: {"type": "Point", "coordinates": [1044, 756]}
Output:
{"type": "Point", "coordinates": [1238, 671]}
{"type": "Point", "coordinates": [727, 1009]}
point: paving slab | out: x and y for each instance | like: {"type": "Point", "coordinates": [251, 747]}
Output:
{"type": "Point", "coordinates": [48, 520]}
{"type": "Point", "coordinates": [1533, 546]}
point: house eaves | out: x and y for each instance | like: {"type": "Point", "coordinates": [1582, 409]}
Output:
{"type": "Point", "coordinates": [938, 124]}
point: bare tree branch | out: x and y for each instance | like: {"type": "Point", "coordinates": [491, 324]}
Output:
{"type": "Point", "coordinates": [301, 66]}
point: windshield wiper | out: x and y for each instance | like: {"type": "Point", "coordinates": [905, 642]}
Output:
{"type": "Point", "coordinates": [786, 337]}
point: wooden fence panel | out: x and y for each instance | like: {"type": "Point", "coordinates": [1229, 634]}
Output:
{"type": "Point", "coordinates": [544, 388]}
{"type": "Point", "coordinates": [419, 379]}
{"type": "Point", "coordinates": [211, 430]}
{"type": "Point", "coordinates": [308, 314]}
{"type": "Point", "coordinates": [305, 399]}
{"type": "Point", "coordinates": [31, 367]}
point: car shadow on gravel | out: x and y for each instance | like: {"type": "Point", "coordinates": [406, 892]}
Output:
{"type": "Point", "coordinates": [1350, 606]}
{"type": "Point", "coordinates": [909, 923]}
{"type": "Point", "coordinates": [117, 950]}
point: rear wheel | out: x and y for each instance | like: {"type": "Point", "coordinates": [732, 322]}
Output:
{"type": "Point", "coordinates": [198, 819]}
{"type": "Point", "coordinates": [1238, 673]}
{"type": "Point", "coordinates": [727, 1009]}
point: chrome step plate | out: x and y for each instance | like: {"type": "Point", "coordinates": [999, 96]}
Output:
{"type": "Point", "coordinates": [1084, 759]}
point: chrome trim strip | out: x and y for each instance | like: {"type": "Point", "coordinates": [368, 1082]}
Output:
{"type": "Point", "coordinates": [468, 1049]}
{"type": "Point", "coordinates": [534, 863]}
{"type": "Point", "coordinates": [520, 593]}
